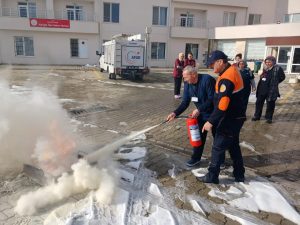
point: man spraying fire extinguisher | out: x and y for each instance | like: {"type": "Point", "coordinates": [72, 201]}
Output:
{"type": "Point", "coordinates": [198, 88]}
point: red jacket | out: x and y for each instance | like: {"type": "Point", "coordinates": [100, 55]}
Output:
{"type": "Point", "coordinates": [178, 67]}
{"type": "Point", "coordinates": [191, 62]}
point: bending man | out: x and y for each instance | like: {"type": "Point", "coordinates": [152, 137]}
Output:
{"type": "Point", "coordinates": [198, 88]}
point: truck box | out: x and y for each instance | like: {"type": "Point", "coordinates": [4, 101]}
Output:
{"type": "Point", "coordinates": [125, 57]}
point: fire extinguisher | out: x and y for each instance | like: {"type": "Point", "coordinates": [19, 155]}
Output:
{"type": "Point", "coordinates": [193, 132]}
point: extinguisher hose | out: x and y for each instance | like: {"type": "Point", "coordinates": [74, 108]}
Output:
{"type": "Point", "coordinates": [177, 117]}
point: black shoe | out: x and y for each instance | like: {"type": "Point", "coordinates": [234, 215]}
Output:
{"type": "Point", "coordinates": [192, 162]}
{"type": "Point", "coordinates": [269, 121]}
{"type": "Point", "coordinates": [255, 118]}
{"type": "Point", "coordinates": [239, 179]}
{"type": "Point", "coordinates": [208, 178]}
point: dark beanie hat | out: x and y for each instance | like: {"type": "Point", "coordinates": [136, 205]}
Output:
{"type": "Point", "coordinates": [271, 58]}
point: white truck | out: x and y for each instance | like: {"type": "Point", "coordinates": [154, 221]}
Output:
{"type": "Point", "coordinates": [125, 56]}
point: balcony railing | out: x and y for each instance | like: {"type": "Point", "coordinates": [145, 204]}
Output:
{"type": "Point", "coordinates": [190, 22]}
{"type": "Point", "coordinates": [44, 14]}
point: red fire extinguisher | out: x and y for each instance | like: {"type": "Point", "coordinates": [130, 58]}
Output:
{"type": "Point", "coordinates": [193, 132]}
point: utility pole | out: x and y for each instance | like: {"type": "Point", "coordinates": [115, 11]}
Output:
{"type": "Point", "coordinates": [148, 30]}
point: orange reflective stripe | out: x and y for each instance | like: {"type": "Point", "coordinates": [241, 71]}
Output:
{"type": "Point", "coordinates": [223, 103]}
{"type": "Point", "coordinates": [232, 74]}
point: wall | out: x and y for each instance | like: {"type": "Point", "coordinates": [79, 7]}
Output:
{"type": "Point", "coordinates": [293, 6]}
{"type": "Point", "coordinates": [58, 53]}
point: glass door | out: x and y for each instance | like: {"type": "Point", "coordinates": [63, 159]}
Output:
{"type": "Point", "coordinates": [283, 58]}
{"type": "Point", "coordinates": [295, 65]}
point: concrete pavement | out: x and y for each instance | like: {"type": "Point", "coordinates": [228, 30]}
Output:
{"type": "Point", "coordinates": [270, 150]}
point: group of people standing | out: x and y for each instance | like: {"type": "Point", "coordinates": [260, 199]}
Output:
{"type": "Point", "coordinates": [221, 106]}
{"type": "Point", "coordinates": [180, 64]}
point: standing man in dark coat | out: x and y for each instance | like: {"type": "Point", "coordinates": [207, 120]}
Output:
{"type": "Point", "coordinates": [198, 88]}
{"type": "Point", "coordinates": [267, 89]}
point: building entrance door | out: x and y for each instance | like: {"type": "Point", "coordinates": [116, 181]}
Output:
{"type": "Point", "coordinates": [295, 62]}
{"type": "Point", "coordinates": [83, 50]}
{"type": "Point", "coordinates": [283, 58]}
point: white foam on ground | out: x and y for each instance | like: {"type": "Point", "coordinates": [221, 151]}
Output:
{"type": "Point", "coordinates": [247, 145]}
{"type": "Point", "coordinates": [197, 207]}
{"type": "Point", "coordinates": [257, 196]}
{"type": "Point", "coordinates": [135, 153]}
{"type": "Point", "coordinates": [89, 125]}
{"type": "Point", "coordinates": [200, 172]}
{"type": "Point", "coordinates": [87, 211]}
{"type": "Point", "coordinates": [238, 219]}
{"type": "Point", "coordinates": [66, 100]}
{"type": "Point", "coordinates": [134, 164]}
{"type": "Point", "coordinates": [125, 175]}
{"type": "Point", "coordinates": [270, 137]}
{"type": "Point", "coordinates": [153, 189]}
{"type": "Point", "coordinates": [113, 131]}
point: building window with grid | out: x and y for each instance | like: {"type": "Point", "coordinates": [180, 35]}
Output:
{"type": "Point", "coordinates": [27, 9]}
{"type": "Point", "coordinates": [111, 12]}
{"type": "Point", "coordinates": [74, 45]}
{"type": "Point", "coordinates": [229, 18]}
{"type": "Point", "coordinates": [158, 50]}
{"type": "Point", "coordinates": [254, 19]}
{"type": "Point", "coordinates": [159, 16]}
{"type": "Point", "coordinates": [74, 12]}
{"type": "Point", "coordinates": [24, 46]}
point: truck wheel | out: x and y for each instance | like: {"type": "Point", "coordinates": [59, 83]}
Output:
{"type": "Point", "coordinates": [113, 76]}
{"type": "Point", "coordinates": [109, 76]}
{"type": "Point", "coordinates": [141, 77]}
{"type": "Point", "coordinates": [101, 70]}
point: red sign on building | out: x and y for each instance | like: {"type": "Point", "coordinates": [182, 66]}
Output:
{"type": "Point", "coordinates": [49, 23]}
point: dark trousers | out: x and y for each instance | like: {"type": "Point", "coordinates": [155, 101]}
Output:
{"type": "Point", "coordinates": [259, 107]}
{"type": "Point", "coordinates": [177, 85]}
{"type": "Point", "coordinates": [222, 142]}
{"type": "Point", "coordinates": [198, 151]}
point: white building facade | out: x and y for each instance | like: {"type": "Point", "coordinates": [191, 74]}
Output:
{"type": "Point", "coordinates": [66, 32]}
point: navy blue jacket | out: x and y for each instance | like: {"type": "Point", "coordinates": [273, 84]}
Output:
{"type": "Point", "coordinates": [204, 89]}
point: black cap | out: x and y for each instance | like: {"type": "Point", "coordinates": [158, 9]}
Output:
{"type": "Point", "coordinates": [216, 55]}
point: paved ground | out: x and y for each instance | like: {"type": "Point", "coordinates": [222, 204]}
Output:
{"type": "Point", "coordinates": [270, 150]}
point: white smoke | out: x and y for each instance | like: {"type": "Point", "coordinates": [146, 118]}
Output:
{"type": "Point", "coordinates": [84, 178]}
{"type": "Point", "coordinates": [34, 129]}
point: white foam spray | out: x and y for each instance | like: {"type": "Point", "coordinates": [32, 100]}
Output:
{"type": "Point", "coordinates": [83, 178]}
{"type": "Point", "coordinates": [34, 129]}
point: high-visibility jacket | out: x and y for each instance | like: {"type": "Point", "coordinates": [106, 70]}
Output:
{"type": "Point", "coordinates": [228, 98]}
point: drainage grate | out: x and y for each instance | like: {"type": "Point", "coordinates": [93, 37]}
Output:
{"type": "Point", "coordinates": [92, 109]}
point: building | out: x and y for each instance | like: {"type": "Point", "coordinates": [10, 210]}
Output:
{"type": "Point", "coordinates": [70, 32]}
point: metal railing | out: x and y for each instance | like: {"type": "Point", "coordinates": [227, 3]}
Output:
{"type": "Point", "coordinates": [44, 14]}
{"type": "Point", "coordinates": [190, 22]}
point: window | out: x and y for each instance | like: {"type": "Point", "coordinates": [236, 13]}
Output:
{"type": "Point", "coordinates": [159, 16]}
{"type": "Point", "coordinates": [158, 50]}
{"type": "Point", "coordinates": [255, 50]}
{"type": "Point", "coordinates": [74, 48]}
{"type": "Point", "coordinates": [27, 9]}
{"type": "Point", "coordinates": [24, 46]}
{"type": "Point", "coordinates": [254, 19]}
{"type": "Point", "coordinates": [229, 18]}
{"type": "Point", "coordinates": [295, 17]}
{"type": "Point", "coordinates": [74, 12]}
{"type": "Point", "coordinates": [193, 48]}
{"type": "Point", "coordinates": [186, 20]}
{"type": "Point", "coordinates": [228, 47]}
{"type": "Point", "coordinates": [111, 12]}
